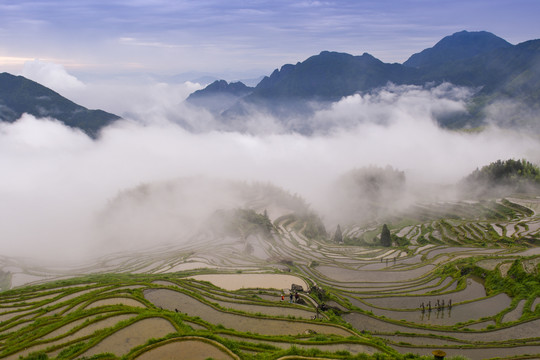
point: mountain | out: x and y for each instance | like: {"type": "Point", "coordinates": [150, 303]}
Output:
{"type": "Point", "coordinates": [475, 59]}
{"type": "Point", "coordinates": [330, 76]}
{"type": "Point", "coordinates": [19, 95]}
{"type": "Point", "coordinates": [296, 91]}
{"type": "Point", "coordinates": [219, 95]}
{"type": "Point", "coordinates": [459, 46]}
{"type": "Point", "coordinates": [518, 69]}
{"type": "Point", "coordinates": [490, 67]}
{"type": "Point", "coordinates": [497, 71]}
{"type": "Point", "coordinates": [222, 87]}
{"type": "Point", "coordinates": [505, 74]}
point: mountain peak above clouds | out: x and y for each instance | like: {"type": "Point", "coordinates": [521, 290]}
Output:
{"type": "Point", "coordinates": [458, 46]}
{"type": "Point", "coordinates": [19, 95]}
{"type": "Point", "coordinates": [329, 76]}
{"type": "Point", "coordinates": [223, 87]}
{"type": "Point", "coordinates": [491, 67]}
{"type": "Point", "coordinates": [494, 70]}
{"type": "Point", "coordinates": [219, 95]}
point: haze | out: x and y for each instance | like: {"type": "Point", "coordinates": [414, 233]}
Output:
{"type": "Point", "coordinates": [133, 58]}
{"type": "Point", "coordinates": [58, 181]}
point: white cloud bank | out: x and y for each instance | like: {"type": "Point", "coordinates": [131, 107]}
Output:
{"type": "Point", "coordinates": [57, 181]}
{"type": "Point", "coordinates": [51, 75]}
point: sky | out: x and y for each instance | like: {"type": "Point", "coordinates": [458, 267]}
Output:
{"type": "Point", "coordinates": [238, 39]}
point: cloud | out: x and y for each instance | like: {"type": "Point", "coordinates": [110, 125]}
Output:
{"type": "Point", "coordinates": [395, 103]}
{"type": "Point", "coordinates": [60, 181]}
{"type": "Point", "coordinates": [511, 114]}
{"type": "Point", "coordinates": [51, 75]}
{"type": "Point", "coordinates": [142, 98]}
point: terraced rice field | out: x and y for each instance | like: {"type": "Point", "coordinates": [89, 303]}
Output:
{"type": "Point", "coordinates": [466, 282]}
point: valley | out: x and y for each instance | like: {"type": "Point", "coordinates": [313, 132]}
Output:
{"type": "Point", "coordinates": [464, 281]}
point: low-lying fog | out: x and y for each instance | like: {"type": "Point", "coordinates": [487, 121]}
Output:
{"type": "Point", "coordinates": [57, 183]}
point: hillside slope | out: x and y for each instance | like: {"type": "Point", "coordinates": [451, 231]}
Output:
{"type": "Point", "coordinates": [19, 95]}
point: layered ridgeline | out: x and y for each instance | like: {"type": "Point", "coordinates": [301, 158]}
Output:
{"type": "Point", "coordinates": [19, 95]}
{"type": "Point", "coordinates": [504, 80]}
{"type": "Point", "coordinates": [219, 95]}
{"type": "Point", "coordinates": [495, 69]}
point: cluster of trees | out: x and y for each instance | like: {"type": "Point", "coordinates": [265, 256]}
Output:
{"type": "Point", "coordinates": [501, 178]}
{"type": "Point", "coordinates": [242, 222]}
{"type": "Point", "coordinates": [386, 238]}
{"type": "Point", "coordinates": [506, 172]}
{"type": "Point", "coordinates": [314, 227]}
{"type": "Point", "coordinates": [338, 236]}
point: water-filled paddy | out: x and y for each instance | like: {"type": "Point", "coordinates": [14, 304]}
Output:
{"type": "Point", "coordinates": [122, 341]}
{"type": "Point", "coordinates": [187, 266]}
{"type": "Point", "coordinates": [98, 325]}
{"type": "Point", "coordinates": [115, 301]}
{"type": "Point", "coordinates": [481, 325]}
{"type": "Point", "coordinates": [14, 328]}
{"type": "Point", "coordinates": [393, 291]}
{"type": "Point", "coordinates": [447, 316]}
{"type": "Point", "coordinates": [88, 330]}
{"type": "Point", "coordinates": [256, 281]}
{"type": "Point", "coordinates": [353, 348]}
{"type": "Point", "coordinates": [418, 340]}
{"type": "Point", "coordinates": [489, 264]}
{"type": "Point", "coordinates": [474, 290]}
{"type": "Point", "coordinates": [171, 300]}
{"type": "Point", "coordinates": [355, 276]}
{"type": "Point", "coordinates": [446, 285]}
{"type": "Point", "coordinates": [524, 330]}
{"type": "Point", "coordinates": [515, 314]}
{"type": "Point", "coordinates": [535, 303]}
{"type": "Point", "coordinates": [27, 302]}
{"type": "Point", "coordinates": [411, 287]}
{"type": "Point", "coordinates": [20, 279]}
{"type": "Point", "coordinates": [267, 310]}
{"type": "Point", "coordinates": [66, 328]}
{"type": "Point", "coordinates": [9, 316]}
{"type": "Point", "coordinates": [476, 353]}
{"type": "Point", "coordinates": [460, 250]}
{"type": "Point", "coordinates": [188, 349]}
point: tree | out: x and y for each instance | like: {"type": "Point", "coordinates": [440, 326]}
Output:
{"type": "Point", "coordinates": [386, 239]}
{"type": "Point", "coordinates": [338, 236]}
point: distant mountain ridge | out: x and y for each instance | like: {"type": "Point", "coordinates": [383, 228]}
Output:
{"type": "Point", "coordinates": [19, 95]}
{"type": "Point", "coordinates": [459, 46]}
{"type": "Point", "coordinates": [498, 72]}
{"type": "Point", "coordinates": [330, 76]}
{"type": "Point", "coordinates": [222, 87]}
{"type": "Point", "coordinates": [219, 95]}
{"type": "Point", "coordinates": [481, 60]}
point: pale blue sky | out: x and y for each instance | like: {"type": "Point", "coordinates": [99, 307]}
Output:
{"type": "Point", "coordinates": [240, 38]}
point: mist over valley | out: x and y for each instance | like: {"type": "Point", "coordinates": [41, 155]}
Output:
{"type": "Point", "coordinates": [341, 207]}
